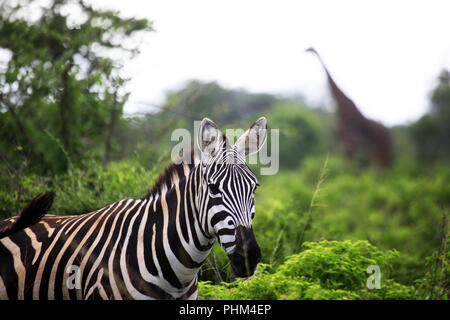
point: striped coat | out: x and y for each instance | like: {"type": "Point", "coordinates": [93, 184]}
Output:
{"type": "Point", "coordinates": [140, 248]}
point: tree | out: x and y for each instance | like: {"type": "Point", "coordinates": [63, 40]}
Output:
{"type": "Point", "coordinates": [199, 99]}
{"type": "Point", "coordinates": [431, 133]}
{"type": "Point", "coordinates": [61, 93]}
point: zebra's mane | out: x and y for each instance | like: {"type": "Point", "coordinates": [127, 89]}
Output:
{"type": "Point", "coordinates": [165, 179]}
{"type": "Point", "coordinates": [175, 169]}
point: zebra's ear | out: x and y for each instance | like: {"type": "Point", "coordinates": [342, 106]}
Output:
{"type": "Point", "coordinates": [208, 138]}
{"type": "Point", "coordinates": [253, 139]}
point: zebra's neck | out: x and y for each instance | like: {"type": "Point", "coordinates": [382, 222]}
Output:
{"type": "Point", "coordinates": [179, 231]}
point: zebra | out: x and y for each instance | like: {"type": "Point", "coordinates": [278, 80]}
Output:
{"type": "Point", "coordinates": [141, 248]}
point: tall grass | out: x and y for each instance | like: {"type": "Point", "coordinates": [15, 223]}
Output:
{"type": "Point", "coordinates": [313, 203]}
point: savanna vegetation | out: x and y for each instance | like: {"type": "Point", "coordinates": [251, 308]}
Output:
{"type": "Point", "coordinates": [320, 221]}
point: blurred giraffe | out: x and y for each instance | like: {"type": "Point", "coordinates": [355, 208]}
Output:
{"type": "Point", "coordinates": [356, 132]}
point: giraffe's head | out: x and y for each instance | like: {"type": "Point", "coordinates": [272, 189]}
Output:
{"type": "Point", "coordinates": [229, 187]}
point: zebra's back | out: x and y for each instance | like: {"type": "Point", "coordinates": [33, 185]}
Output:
{"type": "Point", "coordinates": [60, 257]}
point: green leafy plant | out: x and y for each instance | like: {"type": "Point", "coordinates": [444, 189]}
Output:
{"type": "Point", "coordinates": [323, 270]}
{"type": "Point", "coordinates": [436, 282]}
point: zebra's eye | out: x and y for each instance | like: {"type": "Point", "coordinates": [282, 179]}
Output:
{"type": "Point", "coordinates": [214, 188]}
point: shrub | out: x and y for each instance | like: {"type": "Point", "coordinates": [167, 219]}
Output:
{"type": "Point", "coordinates": [81, 190]}
{"type": "Point", "coordinates": [435, 284]}
{"type": "Point", "coordinates": [299, 129]}
{"type": "Point", "coordinates": [333, 270]}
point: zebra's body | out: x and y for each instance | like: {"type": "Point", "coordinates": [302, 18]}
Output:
{"type": "Point", "coordinates": [139, 248]}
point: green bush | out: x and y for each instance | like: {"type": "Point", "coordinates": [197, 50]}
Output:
{"type": "Point", "coordinates": [299, 130]}
{"type": "Point", "coordinates": [81, 190]}
{"type": "Point", "coordinates": [435, 284]}
{"type": "Point", "coordinates": [399, 209]}
{"type": "Point", "coordinates": [324, 270]}
{"type": "Point", "coordinates": [17, 190]}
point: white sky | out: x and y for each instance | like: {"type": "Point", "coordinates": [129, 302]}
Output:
{"type": "Point", "coordinates": [385, 55]}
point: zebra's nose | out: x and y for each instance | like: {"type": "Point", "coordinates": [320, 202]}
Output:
{"type": "Point", "coordinates": [247, 253]}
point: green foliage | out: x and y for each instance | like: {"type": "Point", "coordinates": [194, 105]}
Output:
{"type": "Point", "coordinates": [60, 93]}
{"type": "Point", "coordinates": [17, 190]}
{"type": "Point", "coordinates": [62, 129]}
{"type": "Point", "coordinates": [336, 264]}
{"type": "Point", "coordinates": [332, 270]}
{"type": "Point", "coordinates": [83, 190]}
{"type": "Point", "coordinates": [198, 99]}
{"type": "Point", "coordinates": [400, 209]}
{"type": "Point", "coordinates": [436, 282]}
{"type": "Point", "coordinates": [299, 129]}
{"type": "Point", "coordinates": [431, 133]}
{"type": "Point", "coordinates": [386, 208]}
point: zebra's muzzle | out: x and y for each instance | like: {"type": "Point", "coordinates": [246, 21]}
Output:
{"type": "Point", "coordinates": [247, 253]}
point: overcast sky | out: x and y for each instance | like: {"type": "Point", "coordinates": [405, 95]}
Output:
{"type": "Point", "coordinates": [385, 55]}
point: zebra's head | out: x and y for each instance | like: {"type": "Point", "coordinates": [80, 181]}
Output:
{"type": "Point", "coordinates": [228, 188]}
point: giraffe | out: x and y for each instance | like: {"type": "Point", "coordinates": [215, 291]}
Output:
{"type": "Point", "coordinates": [355, 131]}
